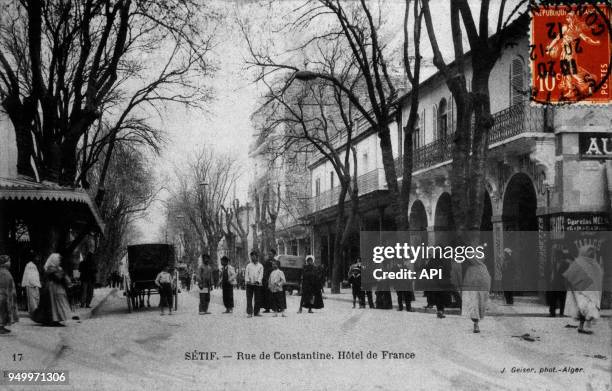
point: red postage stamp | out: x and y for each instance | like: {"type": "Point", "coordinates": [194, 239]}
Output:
{"type": "Point", "coordinates": [570, 54]}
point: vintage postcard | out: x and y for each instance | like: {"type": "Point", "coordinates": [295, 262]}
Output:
{"type": "Point", "coordinates": [305, 194]}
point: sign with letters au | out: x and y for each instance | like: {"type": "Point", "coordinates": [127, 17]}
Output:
{"type": "Point", "coordinates": [595, 145]}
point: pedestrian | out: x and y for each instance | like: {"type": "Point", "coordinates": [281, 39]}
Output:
{"type": "Point", "coordinates": [405, 295]}
{"type": "Point", "coordinates": [228, 280]}
{"type": "Point", "coordinates": [508, 276]}
{"type": "Point", "coordinates": [267, 300]}
{"type": "Point", "coordinates": [440, 288]}
{"type": "Point", "coordinates": [165, 283]}
{"type": "Point", "coordinates": [54, 307]}
{"type": "Point", "coordinates": [87, 270]}
{"type": "Point", "coordinates": [205, 283]}
{"type": "Point", "coordinates": [475, 291]}
{"type": "Point", "coordinates": [584, 277]}
{"type": "Point", "coordinates": [275, 284]}
{"type": "Point", "coordinates": [31, 283]}
{"type": "Point", "coordinates": [312, 294]}
{"type": "Point", "coordinates": [188, 279]}
{"type": "Point", "coordinates": [367, 293]}
{"type": "Point", "coordinates": [555, 295]}
{"type": "Point", "coordinates": [253, 277]}
{"type": "Point", "coordinates": [354, 278]}
{"type": "Point", "coordinates": [8, 296]}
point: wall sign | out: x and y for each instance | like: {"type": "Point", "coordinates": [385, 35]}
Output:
{"type": "Point", "coordinates": [595, 145]}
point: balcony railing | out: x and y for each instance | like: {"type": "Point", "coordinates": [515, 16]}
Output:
{"type": "Point", "coordinates": [510, 122]}
{"type": "Point", "coordinates": [517, 119]}
{"type": "Point", "coordinates": [366, 183]}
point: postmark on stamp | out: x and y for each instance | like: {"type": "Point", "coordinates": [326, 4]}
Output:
{"type": "Point", "coordinates": [570, 53]}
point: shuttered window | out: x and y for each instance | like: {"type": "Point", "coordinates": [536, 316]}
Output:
{"type": "Point", "coordinates": [416, 135]}
{"type": "Point", "coordinates": [517, 83]}
{"type": "Point", "coordinates": [442, 119]}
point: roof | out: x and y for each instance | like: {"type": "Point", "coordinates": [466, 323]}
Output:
{"type": "Point", "coordinates": [24, 189]}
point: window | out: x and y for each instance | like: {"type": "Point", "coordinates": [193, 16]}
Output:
{"type": "Point", "coordinates": [364, 162]}
{"type": "Point", "coordinates": [517, 83]}
{"type": "Point", "coordinates": [442, 119]}
{"type": "Point", "coordinates": [331, 179]}
{"type": "Point", "coordinates": [416, 134]}
{"type": "Point", "coordinates": [317, 186]}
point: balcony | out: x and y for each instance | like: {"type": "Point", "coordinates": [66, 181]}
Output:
{"type": "Point", "coordinates": [366, 183]}
{"type": "Point", "coordinates": [517, 119]}
{"type": "Point", "coordinates": [510, 122]}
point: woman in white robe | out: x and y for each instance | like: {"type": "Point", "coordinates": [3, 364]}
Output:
{"type": "Point", "coordinates": [584, 277]}
{"type": "Point", "coordinates": [31, 282]}
{"type": "Point", "coordinates": [475, 291]}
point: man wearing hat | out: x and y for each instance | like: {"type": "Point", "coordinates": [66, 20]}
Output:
{"type": "Point", "coordinates": [508, 276]}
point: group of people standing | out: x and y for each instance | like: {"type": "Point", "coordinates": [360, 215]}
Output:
{"type": "Point", "coordinates": [577, 281]}
{"type": "Point", "coordinates": [264, 283]}
{"type": "Point", "coordinates": [475, 289]}
{"type": "Point", "coordinates": [47, 298]}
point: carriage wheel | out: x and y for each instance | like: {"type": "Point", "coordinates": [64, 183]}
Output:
{"type": "Point", "coordinates": [128, 295]}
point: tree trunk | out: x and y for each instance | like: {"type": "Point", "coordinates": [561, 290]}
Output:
{"type": "Point", "coordinates": [407, 159]}
{"type": "Point", "coordinates": [18, 114]}
{"type": "Point", "coordinates": [483, 122]}
{"type": "Point", "coordinates": [338, 258]}
{"type": "Point", "coordinates": [400, 208]}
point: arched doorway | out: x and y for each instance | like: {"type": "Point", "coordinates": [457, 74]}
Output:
{"type": "Point", "coordinates": [418, 223]}
{"type": "Point", "coordinates": [519, 217]}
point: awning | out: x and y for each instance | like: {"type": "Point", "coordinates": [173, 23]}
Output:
{"type": "Point", "coordinates": [16, 189]}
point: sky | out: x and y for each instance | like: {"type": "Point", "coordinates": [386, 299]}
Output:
{"type": "Point", "coordinates": [225, 126]}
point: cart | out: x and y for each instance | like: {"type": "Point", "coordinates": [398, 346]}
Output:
{"type": "Point", "coordinates": [143, 263]}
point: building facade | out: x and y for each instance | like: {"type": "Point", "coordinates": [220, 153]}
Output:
{"type": "Point", "coordinates": [537, 177]}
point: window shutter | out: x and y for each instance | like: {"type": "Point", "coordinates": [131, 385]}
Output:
{"type": "Point", "coordinates": [423, 126]}
{"type": "Point", "coordinates": [434, 121]}
{"type": "Point", "coordinates": [516, 81]}
{"type": "Point", "coordinates": [452, 114]}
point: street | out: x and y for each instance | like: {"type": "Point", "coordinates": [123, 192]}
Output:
{"type": "Point", "coordinates": [115, 350]}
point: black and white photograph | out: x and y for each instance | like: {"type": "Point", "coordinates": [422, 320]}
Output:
{"type": "Point", "coordinates": [305, 194]}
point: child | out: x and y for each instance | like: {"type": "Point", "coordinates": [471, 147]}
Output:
{"type": "Point", "coordinates": [164, 282]}
{"type": "Point", "coordinates": [275, 284]}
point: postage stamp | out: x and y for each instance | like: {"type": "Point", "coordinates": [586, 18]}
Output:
{"type": "Point", "coordinates": [570, 53]}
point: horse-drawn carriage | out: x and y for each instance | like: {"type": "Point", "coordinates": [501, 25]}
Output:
{"type": "Point", "coordinates": [143, 263]}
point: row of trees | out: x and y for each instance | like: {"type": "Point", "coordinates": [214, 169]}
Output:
{"type": "Point", "coordinates": [202, 209]}
{"type": "Point", "coordinates": [79, 79]}
{"type": "Point", "coordinates": [85, 85]}
{"type": "Point", "coordinates": [343, 73]}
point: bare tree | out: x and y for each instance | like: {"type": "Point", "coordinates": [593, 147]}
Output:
{"type": "Point", "coordinates": [473, 104]}
{"type": "Point", "coordinates": [203, 193]}
{"type": "Point", "coordinates": [317, 117]}
{"type": "Point", "coordinates": [241, 227]}
{"type": "Point", "coordinates": [130, 192]}
{"type": "Point", "coordinates": [267, 207]}
{"type": "Point", "coordinates": [76, 78]}
{"type": "Point", "coordinates": [356, 25]}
